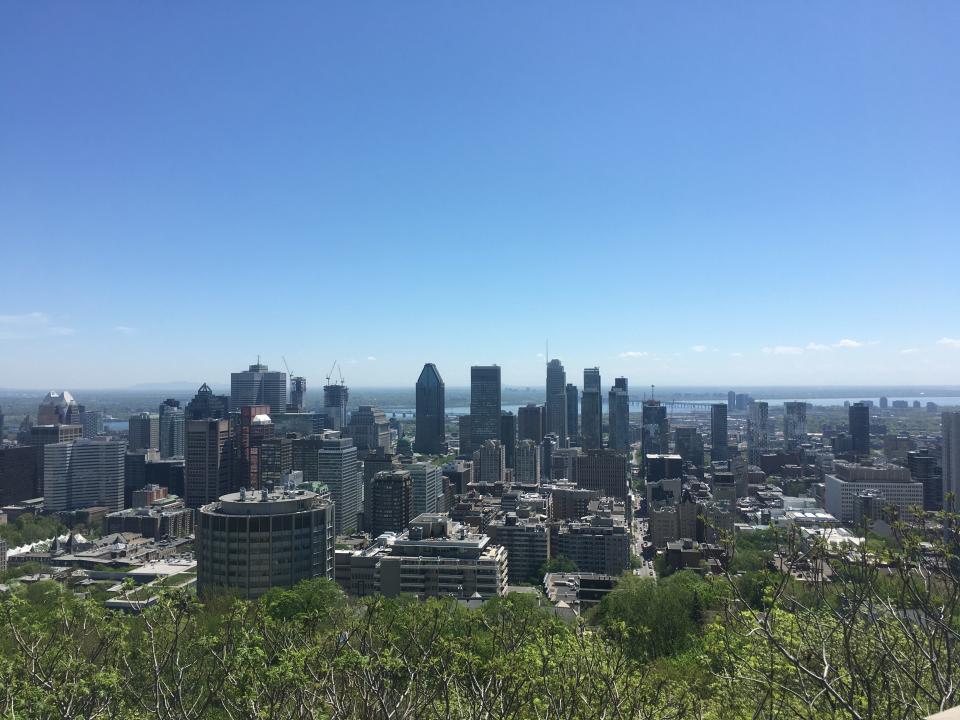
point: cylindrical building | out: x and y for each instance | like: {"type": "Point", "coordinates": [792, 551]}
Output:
{"type": "Point", "coordinates": [248, 542]}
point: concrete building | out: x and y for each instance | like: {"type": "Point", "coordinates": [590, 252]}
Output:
{"type": "Point", "coordinates": [207, 406]}
{"type": "Point", "coordinates": [259, 386]}
{"type": "Point", "coordinates": [340, 469]}
{"type": "Point", "coordinates": [464, 431]}
{"type": "Point", "coordinates": [655, 431]}
{"type": "Point", "coordinates": [489, 463]}
{"type": "Point", "coordinates": [591, 411]}
{"type": "Point", "coordinates": [20, 476]}
{"type": "Point", "coordinates": [390, 502]}
{"type": "Point", "coordinates": [427, 483]}
{"type": "Point", "coordinates": [689, 444]}
{"type": "Point", "coordinates": [335, 398]}
{"type": "Point", "coordinates": [508, 438]}
{"type": "Point", "coordinates": [92, 423]}
{"type": "Point", "coordinates": [663, 466]}
{"type": "Point", "coordinates": [208, 461]}
{"type": "Point", "coordinates": [485, 410]}
{"type": "Point", "coordinates": [618, 406]}
{"type": "Point", "coordinates": [151, 522]}
{"type": "Point", "coordinates": [527, 466]}
{"type": "Point", "coordinates": [850, 479]}
{"type": "Point", "coordinates": [143, 431]}
{"type": "Point", "coordinates": [527, 541]}
{"type": "Point", "coordinates": [605, 471]}
{"type": "Point", "coordinates": [431, 417]}
{"type": "Point", "coordinates": [758, 414]}
{"type": "Point", "coordinates": [249, 542]}
{"type": "Point", "coordinates": [298, 391]}
{"type": "Point", "coordinates": [600, 545]}
{"type": "Point", "coordinates": [369, 429]}
{"type": "Point", "coordinates": [276, 460]}
{"type": "Point", "coordinates": [794, 424]}
{"type": "Point", "coordinates": [83, 473]}
{"type": "Point", "coordinates": [567, 501]}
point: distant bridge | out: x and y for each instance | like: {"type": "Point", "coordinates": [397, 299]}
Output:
{"type": "Point", "coordinates": [674, 405]}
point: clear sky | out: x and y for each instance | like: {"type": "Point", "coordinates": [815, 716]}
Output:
{"type": "Point", "coordinates": [684, 193]}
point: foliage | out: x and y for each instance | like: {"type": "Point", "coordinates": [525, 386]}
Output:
{"type": "Point", "coordinates": [559, 564]}
{"type": "Point", "coordinates": [30, 528]}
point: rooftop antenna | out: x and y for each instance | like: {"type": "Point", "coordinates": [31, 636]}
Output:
{"type": "Point", "coordinates": [651, 391]}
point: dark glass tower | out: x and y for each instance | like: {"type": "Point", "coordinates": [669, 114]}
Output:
{"type": "Point", "coordinates": [207, 405]}
{"type": "Point", "coordinates": [484, 404]}
{"type": "Point", "coordinates": [508, 438]}
{"type": "Point", "coordinates": [530, 423]}
{"type": "Point", "coordinates": [656, 431]}
{"type": "Point", "coordinates": [431, 412]}
{"type": "Point", "coordinates": [556, 400]}
{"type": "Point", "coordinates": [618, 405]}
{"type": "Point", "coordinates": [573, 413]}
{"type": "Point", "coordinates": [591, 411]}
{"type": "Point", "coordinates": [859, 414]}
{"type": "Point", "coordinates": [718, 431]}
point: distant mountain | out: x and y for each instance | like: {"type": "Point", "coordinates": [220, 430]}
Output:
{"type": "Point", "coordinates": [172, 385]}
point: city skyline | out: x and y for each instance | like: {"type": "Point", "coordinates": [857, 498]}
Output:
{"type": "Point", "coordinates": [777, 162]}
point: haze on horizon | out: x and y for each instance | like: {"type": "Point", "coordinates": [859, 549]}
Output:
{"type": "Point", "coordinates": [685, 195]}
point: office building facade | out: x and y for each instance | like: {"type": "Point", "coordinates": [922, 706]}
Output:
{"type": "Point", "coordinates": [431, 415]}
{"type": "Point", "coordinates": [485, 407]}
{"type": "Point", "coordinates": [83, 473]}
{"type": "Point", "coordinates": [591, 411]}
{"type": "Point", "coordinates": [259, 386]}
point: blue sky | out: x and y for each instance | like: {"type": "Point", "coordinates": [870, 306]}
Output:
{"type": "Point", "coordinates": [685, 193]}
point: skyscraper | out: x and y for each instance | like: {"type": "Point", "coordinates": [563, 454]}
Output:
{"type": "Point", "coordinates": [527, 470]}
{"type": "Point", "coordinates": [341, 470]}
{"type": "Point", "coordinates": [591, 411]}
{"type": "Point", "coordinates": [427, 484]}
{"type": "Point", "coordinates": [143, 431]}
{"type": "Point", "coordinates": [207, 462]}
{"type": "Point", "coordinates": [83, 473]}
{"type": "Point", "coordinates": [859, 415]}
{"type": "Point", "coordinates": [573, 414]}
{"type": "Point", "coordinates": [655, 434]}
{"type": "Point", "coordinates": [618, 406]}
{"type": "Point", "coordinates": [757, 433]}
{"type": "Point", "coordinates": [205, 405]}
{"type": "Point", "coordinates": [431, 413]}
{"type": "Point", "coordinates": [794, 424]}
{"type": "Point", "coordinates": [530, 422]}
{"type": "Point", "coordinates": [298, 390]}
{"type": "Point", "coordinates": [508, 437]}
{"type": "Point", "coordinates": [171, 429]}
{"type": "Point", "coordinates": [259, 386]}
{"type": "Point", "coordinates": [255, 427]}
{"type": "Point", "coordinates": [950, 424]}
{"type": "Point", "coordinates": [689, 445]}
{"type": "Point", "coordinates": [92, 422]}
{"type": "Point", "coordinates": [390, 502]}
{"type": "Point", "coordinates": [489, 462]}
{"type": "Point", "coordinates": [335, 399]}
{"type": "Point", "coordinates": [557, 401]}
{"type": "Point", "coordinates": [484, 404]}
{"type": "Point", "coordinates": [719, 439]}
{"type": "Point", "coordinates": [369, 429]}
{"type": "Point", "coordinates": [605, 471]}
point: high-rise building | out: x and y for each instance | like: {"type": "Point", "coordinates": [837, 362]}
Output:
{"type": "Point", "coordinates": [923, 469]}
{"type": "Point", "coordinates": [249, 542]}
{"type": "Point", "coordinates": [591, 411]}
{"type": "Point", "coordinates": [605, 471]}
{"type": "Point", "coordinates": [527, 468]}
{"type": "Point", "coordinates": [655, 430]}
{"type": "Point", "coordinates": [464, 433]}
{"type": "Point", "coordinates": [427, 486]}
{"type": "Point", "coordinates": [335, 399]}
{"type": "Point", "coordinates": [259, 386]}
{"type": "Point", "coordinates": [20, 476]}
{"type": "Point", "coordinates": [92, 422]}
{"type": "Point", "coordinates": [369, 429]}
{"type": "Point", "coordinates": [489, 463]}
{"type": "Point", "coordinates": [298, 391]}
{"type": "Point", "coordinates": [557, 401]}
{"type": "Point", "coordinates": [171, 427]}
{"type": "Point", "coordinates": [340, 470]}
{"type": "Point", "coordinates": [83, 473]}
{"type": "Point", "coordinates": [859, 414]}
{"type": "Point", "coordinates": [719, 439]}
{"type": "Point", "coordinates": [794, 424]}
{"type": "Point", "coordinates": [530, 422]}
{"type": "Point", "coordinates": [144, 431]}
{"type": "Point", "coordinates": [390, 503]}
{"type": "Point", "coordinates": [527, 542]}
{"type": "Point", "coordinates": [757, 431]}
{"type": "Point", "coordinates": [58, 408]}
{"type": "Point", "coordinates": [689, 444]}
{"type": "Point", "coordinates": [547, 447]}
{"type": "Point", "coordinates": [731, 399]}
{"type": "Point", "coordinates": [276, 460]}
{"type": "Point", "coordinates": [950, 424]}
{"type": "Point", "coordinates": [255, 427]}
{"type": "Point", "coordinates": [208, 406]}
{"type": "Point", "coordinates": [573, 414]}
{"type": "Point", "coordinates": [508, 437]}
{"type": "Point", "coordinates": [618, 406]}
{"type": "Point", "coordinates": [484, 404]}
{"type": "Point", "coordinates": [207, 461]}
{"type": "Point", "coordinates": [431, 416]}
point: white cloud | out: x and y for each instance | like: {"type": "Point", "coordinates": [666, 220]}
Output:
{"type": "Point", "coordinates": [540, 355]}
{"type": "Point", "coordinates": [371, 358]}
{"type": "Point", "coordinates": [848, 343]}
{"type": "Point", "coordinates": [909, 351]}
{"type": "Point", "coordinates": [633, 354]}
{"type": "Point", "coordinates": [125, 330]}
{"type": "Point", "coordinates": [783, 350]}
{"type": "Point", "coordinates": [699, 348]}
{"type": "Point", "coordinates": [736, 354]}
{"type": "Point", "coordinates": [816, 347]}
{"type": "Point", "coordinates": [949, 342]}
{"type": "Point", "coordinates": [29, 326]}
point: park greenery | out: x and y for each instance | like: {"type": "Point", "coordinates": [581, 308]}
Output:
{"type": "Point", "coordinates": [880, 640]}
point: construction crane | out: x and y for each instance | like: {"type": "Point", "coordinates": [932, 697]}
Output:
{"type": "Point", "coordinates": [330, 374]}
{"type": "Point", "coordinates": [284, 357]}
